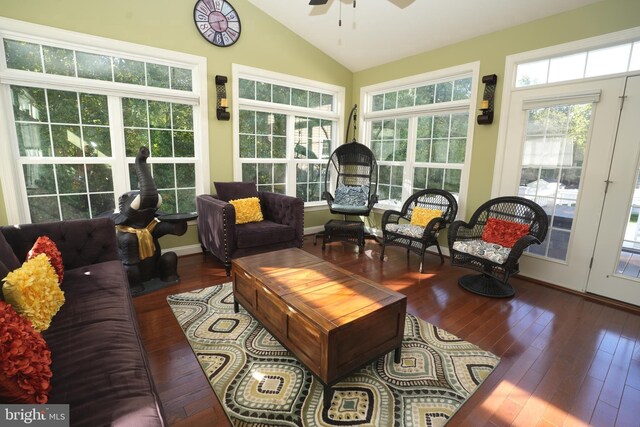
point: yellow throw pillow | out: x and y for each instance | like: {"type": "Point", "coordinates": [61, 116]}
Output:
{"type": "Point", "coordinates": [247, 210]}
{"type": "Point", "coordinates": [422, 216]}
{"type": "Point", "coordinates": [34, 292]}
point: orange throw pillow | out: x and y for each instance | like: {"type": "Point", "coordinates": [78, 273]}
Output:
{"type": "Point", "coordinates": [503, 233]}
{"type": "Point", "coordinates": [45, 245]}
{"type": "Point", "coordinates": [25, 360]}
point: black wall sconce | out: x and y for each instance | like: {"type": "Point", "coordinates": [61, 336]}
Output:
{"type": "Point", "coordinates": [222, 103]}
{"type": "Point", "coordinates": [486, 105]}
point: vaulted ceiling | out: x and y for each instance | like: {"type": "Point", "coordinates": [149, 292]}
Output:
{"type": "Point", "coordinates": [379, 31]}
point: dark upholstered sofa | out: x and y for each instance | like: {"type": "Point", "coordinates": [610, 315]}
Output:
{"type": "Point", "coordinates": [282, 227]}
{"type": "Point", "coordinates": [99, 364]}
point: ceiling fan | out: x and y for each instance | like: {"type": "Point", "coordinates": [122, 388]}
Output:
{"type": "Point", "coordinates": [317, 2]}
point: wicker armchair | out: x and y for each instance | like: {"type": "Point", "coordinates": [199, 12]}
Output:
{"type": "Point", "coordinates": [414, 237]}
{"type": "Point", "coordinates": [521, 221]}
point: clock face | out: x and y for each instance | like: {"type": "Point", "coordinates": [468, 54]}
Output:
{"type": "Point", "coordinates": [217, 21]}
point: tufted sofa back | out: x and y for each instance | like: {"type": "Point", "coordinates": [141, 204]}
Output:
{"type": "Point", "coordinates": [81, 242]}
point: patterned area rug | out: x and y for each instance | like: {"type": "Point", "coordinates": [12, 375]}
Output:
{"type": "Point", "coordinates": [261, 384]}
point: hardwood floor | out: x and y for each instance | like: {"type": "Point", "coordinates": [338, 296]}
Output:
{"type": "Point", "coordinates": [566, 360]}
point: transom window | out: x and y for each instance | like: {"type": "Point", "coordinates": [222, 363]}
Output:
{"type": "Point", "coordinates": [79, 117]}
{"type": "Point", "coordinates": [287, 128]}
{"type": "Point", "coordinates": [620, 58]}
{"type": "Point", "coordinates": [420, 133]}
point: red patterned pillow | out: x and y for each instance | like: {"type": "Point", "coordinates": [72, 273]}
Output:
{"type": "Point", "coordinates": [45, 245]}
{"type": "Point", "coordinates": [504, 233]}
{"type": "Point", "coordinates": [25, 360]}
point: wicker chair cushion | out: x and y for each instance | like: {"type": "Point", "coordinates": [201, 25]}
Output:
{"type": "Point", "coordinates": [491, 251]}
{"type": "Point", "coordinates": [347, 195]}
{"type": "Point", "coordinates": [410, 230]}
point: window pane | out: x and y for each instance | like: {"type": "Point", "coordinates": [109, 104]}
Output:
{"type": "Point", "coordinates": [94, 109]}
{"type": "Point", "coordinates": [299, 97]}
{"type": "Point", "coordinates": [377, 103]}
{"type": "Point", "coordinates": [634, 63]}
{"type": "Point", "coordinates": [406, 98]}
{"type": "Point", "coordinates": [134, 112]}
{"type": "Point", "coordinates": [160, 143]}
{"type": "Point", "coordinates": [568, 67]}
{"type": "Point", "coordinates": [610, 60]}
{"type": "Point", "coordinates": [134, 139]}
{"type": "Point", "coordinates": [444, 91]}
{"type": "Point", "coordinates": [59, 61]}
{"type": "Point", "coordinates": [158, 75]}
{"type": "Point", "coordinates": [100, 178]}
{"type": "Point", "coordinates": [182, 116]}
{"type": "Point", "coordinates": [97, 141]}
{"type": "Point", "coordinates": [390, 100]}
{"type": "Point", "coordinates": [263, 91]}
{"type": "Point", "coordinates": [63, 106]}
{"type": "Point", "coordinates": [66, 141]}
{"type": "Point", "coordinates": [169, 202]}
{"type": "Point", "coordinates": [44, 209]}
{"type": "Point", "coordinates": [39, 179]}
{"type": "Point", "coordinates": [22, 55]}
{"type": "Point", "coordinates": [181, 79]}
{"type": "Point", "coordinates": [128, 71]}
{"type": "Point", "coordinates": [425, 95]}
{"type": "Point", "coordinates": [184, 144]}
{"type": "Point", "coordinates": [71, 178]}
{"type": "Point", "coordinates": [247, 89]}
{"type": "Point", "coordinates": [186, 200]}
{"type": "Point", "coordinates": [281, 95]}
{"type": "Point", "coordinates": [164, 175]}
{"type": "Point", "coordinates": [92, 66]}
{"type": "Point", "coordinates": [33, 140]}
{"type": "Point", "coordinates": [101, 203]}
{"type": "Point", "coordinates": [159, 114]}
{"type": "Point", "coordinates": [532, 73]}
{"type": "Point", "coordinates": [185, 175]}
{"type": "Point", "coordinates": [29, 104]}
{"type": "Point", "coordinates": [462, 89]}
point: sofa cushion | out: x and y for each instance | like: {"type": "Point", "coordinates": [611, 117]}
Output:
{"type": "Point", "coordinates": [235, 190]}
{"type": "Point", "coordinates": [98, 361]}
{"type": "Point", "coordinates": [262, 233]}
{"type": "Point", "coordinates": [25, 360]}
{"type": "Point", "coordinates": [7, 256]}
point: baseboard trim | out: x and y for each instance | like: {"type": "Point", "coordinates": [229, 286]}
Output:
{"type": "Point", "coordinates": [184, 250]}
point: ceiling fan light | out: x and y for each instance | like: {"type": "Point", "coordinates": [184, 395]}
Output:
{"type": "Point", "coordinates": [317, 2]}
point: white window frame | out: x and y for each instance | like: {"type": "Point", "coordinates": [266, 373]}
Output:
{"type": "Point", "coordinates": [252, 73]}
{"type": "Point", "coordinates": [510, 71]}
{"type": "Point", "coordinates": [12, 176]}
{"type": "Point", "coordinates": [366, 98]}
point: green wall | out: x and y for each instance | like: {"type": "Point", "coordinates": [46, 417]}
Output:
{"type": "Point", "coordinates": [265, 43]}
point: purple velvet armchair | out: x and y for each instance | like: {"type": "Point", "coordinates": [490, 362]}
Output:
{"type": "Point", "coordinates": [282, 227]}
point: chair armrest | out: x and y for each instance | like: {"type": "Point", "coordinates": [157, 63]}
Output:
{"type": "Point", "coordinates": [283, 209]}
{"type": "Point", "coordinates": [81, 242]}
{"type": "Point", "coordinates": [391, 216]}
{"type": "Point", "coordinates": [216, 226]}
{"type": "Point", "coordinates": [518, 248]}
{"type": "Point", "coordinates": [460, 230]}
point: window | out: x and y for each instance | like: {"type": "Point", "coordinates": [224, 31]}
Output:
{"type": "Point", "coordinates": [419, 129]}
{"type": "Point", "coordinates": [80, 114]}
{"type": "Point", "coordinates": [287, 129]}
{"type": "Point", "coordinates": [620, 58]}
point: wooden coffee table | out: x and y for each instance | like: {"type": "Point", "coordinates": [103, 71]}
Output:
{"type": "Point", "coordinates": [332, 320]}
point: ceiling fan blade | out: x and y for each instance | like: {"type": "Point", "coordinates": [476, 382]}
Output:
{"type": "Point", "coordinates": [317, 2]}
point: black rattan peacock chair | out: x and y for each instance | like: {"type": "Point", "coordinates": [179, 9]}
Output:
{"type": "Point", "coordinates": [353, 171]}
{"type": "Point", "coordinates": [438, 208]}
{"type": "Point", "coordinates": [493, 241]}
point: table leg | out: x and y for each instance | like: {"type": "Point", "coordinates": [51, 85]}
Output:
{"type": "Point", "coordinates": [328, 395]}
{"type": "Point", "coordinates": [236, 307]}
{"type": "Point", "coordinates": [397, 354]}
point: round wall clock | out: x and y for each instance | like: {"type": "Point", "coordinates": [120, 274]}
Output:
{"type": "Point", "coordinates": [217, 21]}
